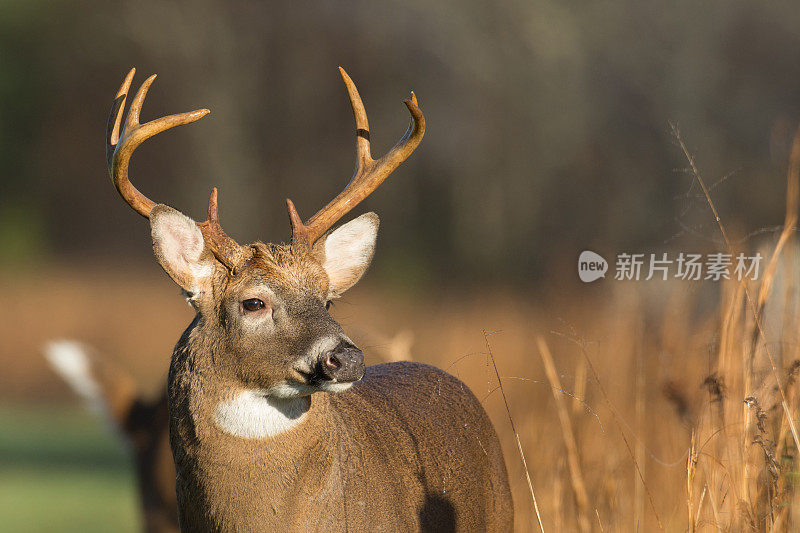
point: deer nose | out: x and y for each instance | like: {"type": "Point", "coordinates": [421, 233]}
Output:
{"type": "Point", "coordinates": [343, 364]}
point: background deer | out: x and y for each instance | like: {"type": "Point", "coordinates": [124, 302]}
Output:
{"type": "Point", "coordinates": [275, 424]}
{"type": "Point", "coordinates": [143, 423]}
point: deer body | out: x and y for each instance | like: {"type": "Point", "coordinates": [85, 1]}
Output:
{"type": "Point", "coordinates": [358, 461]}
{"type": "Point", "coordinates": [275, 424]}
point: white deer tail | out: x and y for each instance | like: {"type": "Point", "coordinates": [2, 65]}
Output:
{"type": "Point", "coordinates": [104, 387]}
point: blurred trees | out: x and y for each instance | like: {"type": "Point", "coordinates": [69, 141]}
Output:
{"type": "Point", "coordinates": [547, 121]}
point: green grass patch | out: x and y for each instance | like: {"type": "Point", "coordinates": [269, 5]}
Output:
{"type": "Point", "coordinates": [62, 470]}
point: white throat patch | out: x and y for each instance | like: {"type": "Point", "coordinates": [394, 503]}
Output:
{"type": "Point", "coordinates": [254, 415]}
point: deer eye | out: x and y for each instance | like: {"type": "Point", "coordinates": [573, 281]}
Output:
{"type": "Point", "coordinates": [253, 304]}
{"type": "Point", "coordinates": [328, 304]}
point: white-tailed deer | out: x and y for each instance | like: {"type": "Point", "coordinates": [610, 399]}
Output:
{"type": "Point", "coordinates": [142, 422]}
{"type": "Point", "coordinates": [275, 424]}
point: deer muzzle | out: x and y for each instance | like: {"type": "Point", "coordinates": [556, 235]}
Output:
{"type": "Point", "coordinates": [342, 364]}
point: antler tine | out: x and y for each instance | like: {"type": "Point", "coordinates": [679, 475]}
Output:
{"type": "Point", "coordinates": [228, 251]}
{"type": "Point", "coordinates": [121, 145]}
{"type": "Point", "coordinates": [115, 117]}
{"type": "Point", "coordinates": [369, 173]}
{"type": "Point", "coordinates": [362, 124]}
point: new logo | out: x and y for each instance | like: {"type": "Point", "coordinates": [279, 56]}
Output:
{"type": "Point", "coordinates": [591, 266]}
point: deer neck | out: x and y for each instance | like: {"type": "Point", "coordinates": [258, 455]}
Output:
{"type": "Point", "coordinates": [215, 414]}
{"type": "Point", "coordinates": [233, 445]}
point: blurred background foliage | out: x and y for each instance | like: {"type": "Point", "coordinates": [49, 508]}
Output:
{"type": "Point", "coordinates": [547, 122]}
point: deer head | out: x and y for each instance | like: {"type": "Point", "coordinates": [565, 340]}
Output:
{"type": "Point", "coordinates": [262, 309]}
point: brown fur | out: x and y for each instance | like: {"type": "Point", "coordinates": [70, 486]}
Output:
{"type": "Point", "coordinates": [407, 449]}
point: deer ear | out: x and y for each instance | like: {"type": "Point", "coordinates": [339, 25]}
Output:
{"type": "Point", "coordinates": [180, 249]}
{"type": "Point", "coordinates": [346, 252]}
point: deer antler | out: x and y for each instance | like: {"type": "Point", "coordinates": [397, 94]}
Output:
{"type": "Point", "coordinates": [121, 145]}
{"type": "Point", "coordinates": [369, 174]}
